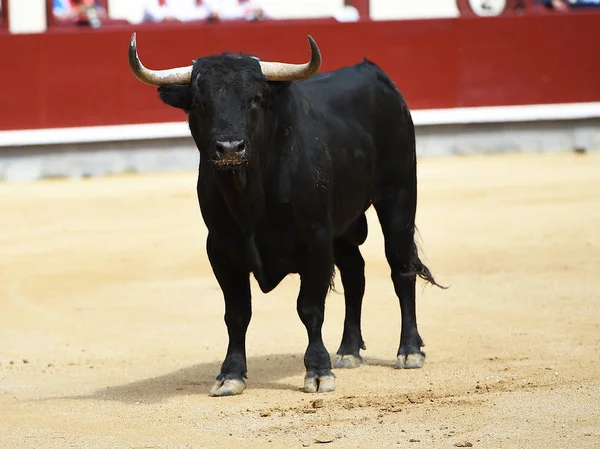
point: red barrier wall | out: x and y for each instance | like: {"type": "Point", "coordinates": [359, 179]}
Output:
{"type": "Point", "coordinates": [80, 77]}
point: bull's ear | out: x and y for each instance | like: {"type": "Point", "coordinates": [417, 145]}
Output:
{"type": "Point", "coordinates": [176, 96]}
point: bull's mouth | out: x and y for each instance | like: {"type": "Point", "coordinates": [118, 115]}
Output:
{"type": "Point", "coordinates": [230, 160]}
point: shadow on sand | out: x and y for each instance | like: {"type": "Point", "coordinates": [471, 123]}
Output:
{"type": "Point", "coordinates": [264, 372]}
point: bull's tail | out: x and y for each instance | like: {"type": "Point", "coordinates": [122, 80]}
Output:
{"type": "Point", "coordinates": [418, 268]}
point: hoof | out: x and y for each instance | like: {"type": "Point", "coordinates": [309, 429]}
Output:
{"type": "Point", "coordinates": [319, 384]}
{"type": "Point", "coordinates": [347, 361]}
{"type": "Point", "coordinates": [228, 387]}
{"type": "Point", "coordinates": [410, 361]}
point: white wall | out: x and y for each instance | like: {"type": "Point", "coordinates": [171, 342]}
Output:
{"type": "Point", "coordinates": [413, 9]}
{"type": "Point", "coordinates": [287, 9]}
{"type": "Point", "coordinates": [27, 16]}
{"type": "Point", "coordinates": [132, 10]}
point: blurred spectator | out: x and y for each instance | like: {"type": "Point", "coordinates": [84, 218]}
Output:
{"type": "Point", "coordinates": [584, 3]}
{"type": "Point", "coordinates": [347, 13]}
{"type": "Point", "coordinates": [235, 9]}
{"type": "Point", "coordinates": [174, 11]}
{"type": "Point", "coordinates": [565, 5]}
{"type": "Point", "coordinates": [190, 10]}
{"type": "Point", "coordinates": [80, 12]}
{"type": "Point", "coordinates": [559, 5]}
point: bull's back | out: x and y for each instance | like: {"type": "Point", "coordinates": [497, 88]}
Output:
{"type": "Point", "coordinates": [364, 98]}
{"type": "Point", "coordinates": [353, 93]}
{"type": "Point", "coordinates": [368, 131]}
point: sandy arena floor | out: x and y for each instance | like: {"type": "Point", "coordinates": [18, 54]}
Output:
{"type": "Point", "coordinates": [111, 324]}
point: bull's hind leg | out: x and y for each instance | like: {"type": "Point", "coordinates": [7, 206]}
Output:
{"type": "Point", "coordinates": [396, 212]}
{"type": "Point", "coordinates": [234, 280]}
{"type": "Point", "coordinates": [352, 270]}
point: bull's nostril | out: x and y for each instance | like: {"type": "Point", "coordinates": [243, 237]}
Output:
{"type": "Point", "coordinates": [231, 146]}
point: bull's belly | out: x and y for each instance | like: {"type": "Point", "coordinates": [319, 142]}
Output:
{"type": "Point", "coordinates": [278, 256]}
{"type": "Point", "coordinates": [275, 255]}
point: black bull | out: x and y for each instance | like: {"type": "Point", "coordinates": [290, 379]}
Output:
{"type": "Point", "coordinates": [290, 160]}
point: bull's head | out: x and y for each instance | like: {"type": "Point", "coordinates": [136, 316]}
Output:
{"type": "Point", "coordinates": [226, 97]}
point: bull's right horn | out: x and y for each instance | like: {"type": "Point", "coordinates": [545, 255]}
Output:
{"type": "Point", "coordinates": [179, 75]}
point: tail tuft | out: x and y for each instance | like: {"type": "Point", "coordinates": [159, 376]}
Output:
{"type": "Point", "coordinates": [418, 268]}
{"type": "Point", "coordinates": [424, 273]}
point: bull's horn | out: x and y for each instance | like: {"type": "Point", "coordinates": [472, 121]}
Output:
{"type": "Point", "coordinates": [179, 75]}
{"type": "Point", "coordinates": [281, 71]}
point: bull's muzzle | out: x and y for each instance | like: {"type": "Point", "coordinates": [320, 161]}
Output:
{"type": "Point", "coordinates": [230, 153]}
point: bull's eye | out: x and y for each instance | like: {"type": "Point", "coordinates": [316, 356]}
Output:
{"type": "Point", "coordinates": [257, 99]}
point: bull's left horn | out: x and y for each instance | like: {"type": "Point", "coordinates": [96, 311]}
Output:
{"type": "Point", "coordinates": [179, 75]}
{"type": "Point", "coordinates": [281, 71]}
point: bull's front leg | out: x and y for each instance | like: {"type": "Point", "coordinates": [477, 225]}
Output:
{"type": "Point", "coordinates": [315, 281]}
{"type": "Point", "coordinates": [234, 279]}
